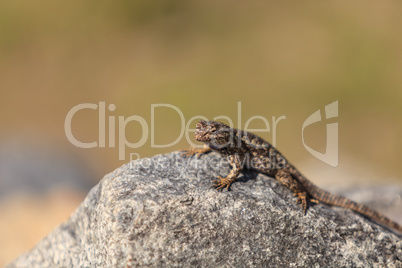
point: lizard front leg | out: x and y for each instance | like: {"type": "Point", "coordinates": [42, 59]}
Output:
{"type": "Point", "coordinates": [196, 151]}
{"type": "Point", "coordinates": [235, 162]}
{"type": "Point", "coordinates": [294, 186]}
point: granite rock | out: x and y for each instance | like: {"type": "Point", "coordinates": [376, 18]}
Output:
{"type": "Point", "coordinates": [161, 211]}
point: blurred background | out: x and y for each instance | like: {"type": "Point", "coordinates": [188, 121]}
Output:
{"type": "Point", "coordinates": [274, 58]}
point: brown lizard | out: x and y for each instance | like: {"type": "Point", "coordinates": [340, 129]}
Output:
{"type": "Point", "coordinates": [244, 149]}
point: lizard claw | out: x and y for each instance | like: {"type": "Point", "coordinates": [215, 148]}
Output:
{"type": "Point", "coordinates": [195, 151]}
{"type": "Point", "coordinates": [302, 199]}
{"type": "Point", "coordinates": [190, 152]}
{"type": "Point", "coordinates": [221, 183]}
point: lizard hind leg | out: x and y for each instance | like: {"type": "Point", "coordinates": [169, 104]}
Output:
{"type": "Point", "coordinates": [294, 186]}
{"type": "Point", "coordinates": [302, 199]}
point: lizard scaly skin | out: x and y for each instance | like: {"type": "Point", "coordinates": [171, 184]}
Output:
{"type": "Point", "coordinates": [243, 149]}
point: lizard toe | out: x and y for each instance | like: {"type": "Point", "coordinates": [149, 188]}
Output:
{"type": "Point", "coordinates": [187, 153]}
{"type": "Point", "coordinates": [221, 183]}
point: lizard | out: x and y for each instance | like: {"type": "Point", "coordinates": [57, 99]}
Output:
{"type": "Point", "coordinates": [247, 150]}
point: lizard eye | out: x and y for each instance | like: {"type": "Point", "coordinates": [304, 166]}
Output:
{"type": "Point", "coordinates": [213, 129]}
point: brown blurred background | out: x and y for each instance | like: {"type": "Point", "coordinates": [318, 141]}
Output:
{"type": "Point", "coordinates": [276, 58]}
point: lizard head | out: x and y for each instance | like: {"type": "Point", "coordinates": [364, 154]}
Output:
{"type": "Point", "coordinates": [213, 133]}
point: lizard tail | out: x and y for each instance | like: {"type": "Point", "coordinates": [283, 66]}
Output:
{"type": "Point", "coordinates": [340, 201]}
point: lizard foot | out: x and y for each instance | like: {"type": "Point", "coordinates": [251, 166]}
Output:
{"type": "Point", "coordinates": [191, 152]}
{"type": "Point", "coordinates": [302, 199]}
{"type": "Point", "coordinates": [222, 183]}
{"type": "Point", "coordinates": [195, 151]}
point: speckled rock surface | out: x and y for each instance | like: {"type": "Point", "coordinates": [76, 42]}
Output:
{"type": "Point", "coordinates": [161, 211]}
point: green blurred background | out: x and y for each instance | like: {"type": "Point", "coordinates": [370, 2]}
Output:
{"type": "Point", "coordinates": [274, 57]}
